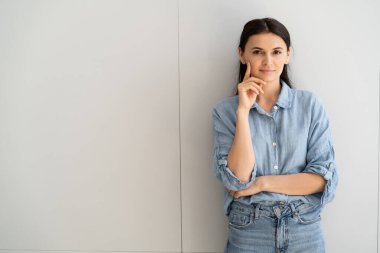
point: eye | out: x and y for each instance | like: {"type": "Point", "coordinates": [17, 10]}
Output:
{"type": "Point", "coordinates": [256, 51]}
{"type": "Point", "coordinates": [277, 52]}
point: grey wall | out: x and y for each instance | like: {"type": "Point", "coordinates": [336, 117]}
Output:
{"type": "Point", "coordinates": [106, 129]}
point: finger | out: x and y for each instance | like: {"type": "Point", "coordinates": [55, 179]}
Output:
{"type": "Point", "coordinates": [248, 87]}
{"type": "Point", "coordinates": [258, 87]}
{"type": "Point", "coordinates": [240, 193]}
{"type": "Point", "coordinates": [254, 90]}
{"type": "Point", "coordinates": [257, 80]}
{"type": "Point", "coordinates": [248, 71]}
{"type": "Point", "coordinates": [237, 194]}
{"type": "Point", "coordinates": [251, 86]}
{"type": "Point", "coordinates": [250, 81]}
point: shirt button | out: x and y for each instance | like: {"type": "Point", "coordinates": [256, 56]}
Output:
{"type": "Point", "coordinates": [275, 167]}
{"type": "Point", "coordinates": [275, 107]}
{"type": "Point", "coordinates": [274, 144]}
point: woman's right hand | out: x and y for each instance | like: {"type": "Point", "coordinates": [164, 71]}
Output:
{"type": "Point", "coordinates": [249, 89]}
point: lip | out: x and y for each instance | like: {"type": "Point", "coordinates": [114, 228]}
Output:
{"type": "Point", "coordinates": [266, 70]}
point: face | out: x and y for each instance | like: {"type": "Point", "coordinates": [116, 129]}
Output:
{"type": "Point", "coordinates": [267, 54]}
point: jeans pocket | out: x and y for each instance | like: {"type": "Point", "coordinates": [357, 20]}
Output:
{"type": "Point", "coordinates": [308, 218]}
{"type": "Point", "coordinates": [240, 219]}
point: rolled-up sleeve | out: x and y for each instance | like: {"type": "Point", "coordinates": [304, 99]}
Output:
{"type": "Point", "coordinates": [320, 156]}
{"type": "Point", "coordinates": [223, 138]}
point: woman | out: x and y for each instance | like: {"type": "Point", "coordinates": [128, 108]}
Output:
{"type": "Point", "coordinates": [273, 151]}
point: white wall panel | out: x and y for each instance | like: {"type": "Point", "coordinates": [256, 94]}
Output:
{"type": "Point", "coordinates": [335, 56]}
{"type": "Point", "coordinates": [89, 112]}
{"type": "Point", "coordinates": [208, 35]}
{"type": "Point", "coordinates": [106, 128]}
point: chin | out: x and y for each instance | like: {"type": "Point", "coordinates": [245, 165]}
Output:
{"type": "Point", "coordinates": [270, 78]}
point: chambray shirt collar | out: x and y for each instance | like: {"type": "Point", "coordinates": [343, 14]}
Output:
{"type": "Point", "coordinates": [285, 98]}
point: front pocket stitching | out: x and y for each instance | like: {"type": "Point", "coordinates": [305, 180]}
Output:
{"type": "Point", "coordinates": [309, 221]}
{"type": "Point", "coordinates": [242, 226]}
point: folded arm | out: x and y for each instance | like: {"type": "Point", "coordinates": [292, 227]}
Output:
{"type": "Point", "coordinates": [290, 184]}
{"type": "Point", "coordinates": [293, 184]}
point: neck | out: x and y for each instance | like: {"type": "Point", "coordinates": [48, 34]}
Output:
{"type": "Point", "coordinates": [271, 92]}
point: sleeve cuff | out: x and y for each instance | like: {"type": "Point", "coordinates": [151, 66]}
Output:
{"type": "Point", "coordinates": [230, 180]}
{"type": "Point", "coordinates": [331, 177]}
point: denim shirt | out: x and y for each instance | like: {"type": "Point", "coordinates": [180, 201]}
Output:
{"type": "Point", "coordinates": [294, 137]}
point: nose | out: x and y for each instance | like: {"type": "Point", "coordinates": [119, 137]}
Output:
{"type": "Point", "coordinates": [267, 59]}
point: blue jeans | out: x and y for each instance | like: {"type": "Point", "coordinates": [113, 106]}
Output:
{"type": "Point", "coordinates": [274, 227]}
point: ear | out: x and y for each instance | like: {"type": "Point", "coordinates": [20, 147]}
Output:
{"type": "Point", "coordinates": [240, 53]}
{"type": "Point", "coordinates": [289, 53]}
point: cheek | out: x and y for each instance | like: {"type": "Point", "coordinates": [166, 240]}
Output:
{"type": "Point", "coordinates": [255, 66]}
{"type": "Point", "coordinates": [254, 62]}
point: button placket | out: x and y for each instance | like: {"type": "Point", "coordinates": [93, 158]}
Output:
{"type": "Point", "coordinates": [275, 110]}
{"type": "Point", "coordinates": [274, 144]}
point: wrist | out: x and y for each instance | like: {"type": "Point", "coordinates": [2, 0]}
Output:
{"type": "Point", "coordinates": [242, 111]}
{"type": "Point", "coordinates": [262, 183]}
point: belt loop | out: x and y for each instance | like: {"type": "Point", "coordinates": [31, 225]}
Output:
{"type": "Point", "coordinates": [257, 211]}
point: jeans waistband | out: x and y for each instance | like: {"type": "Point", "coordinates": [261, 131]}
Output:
{"type": "Point", "coordinates": [274, 209]}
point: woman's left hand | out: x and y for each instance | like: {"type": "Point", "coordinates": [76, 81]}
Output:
{"type": "Point", "coordinates": [254, 188]}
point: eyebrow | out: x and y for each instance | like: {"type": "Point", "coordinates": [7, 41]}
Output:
{"type": "Point", "coordinates": [263, 49]}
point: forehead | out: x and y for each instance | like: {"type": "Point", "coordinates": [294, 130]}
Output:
{"type": "Point", "coordinates": [266, 41]}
